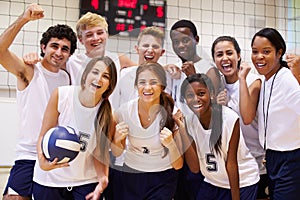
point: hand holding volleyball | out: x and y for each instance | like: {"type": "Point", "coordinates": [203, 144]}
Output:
{"type": "Point", "coordinates": [60, 142]}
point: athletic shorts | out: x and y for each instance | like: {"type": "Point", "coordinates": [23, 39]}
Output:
{"type": "Point", "coordinates": [283, 169]}
{"type": "Point", "coordinates": [149, 185]}
{"type": "Point", "coordinates": [210, 192]}
{"type": "Point", "coordinates": [20, 178]}
{"type": "Point", "coordinates": [114, 189]}
{"type": "Point", "coordinates": [188, 183]}
{"type": "Point", "coordinates": [41, 192]}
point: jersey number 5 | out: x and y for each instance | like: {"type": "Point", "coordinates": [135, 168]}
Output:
{"type": "Point", "coordinates": [83, 140]}
{"type": "Point", "coordinates": [211, 162]}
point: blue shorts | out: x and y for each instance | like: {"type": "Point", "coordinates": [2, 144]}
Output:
{"type": "Point", "coordinates": [41, 192]}
{"type": "Point", "coordinates": [188, 183]}
{"type": "Point", "coordinates": [114, 189]}
{"type": "Point", "coordinates": [20, 178]}
{"type": "Point", "coordinates": [283, 169]}
{"type": "Point", "coordinates": [149, 185]}
{"type": "Point", "coordinates": [210, 192]}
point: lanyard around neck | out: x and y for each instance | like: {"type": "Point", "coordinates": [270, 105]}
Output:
{"type": "Point", "coordinates": [266, 115]}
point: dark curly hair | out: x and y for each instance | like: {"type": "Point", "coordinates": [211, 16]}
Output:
{"type": "Point", "coordinates": [59, 31]}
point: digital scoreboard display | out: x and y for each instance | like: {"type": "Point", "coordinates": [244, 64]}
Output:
{"type": "Point", "coordinates": [127, 17]}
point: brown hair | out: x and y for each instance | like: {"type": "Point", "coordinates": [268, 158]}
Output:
{"type": "Point", "coordinates": [166, 101]}
{"type": "Point", "coordinates": [103, 121]}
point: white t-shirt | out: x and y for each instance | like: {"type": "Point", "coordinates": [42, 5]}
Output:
{"type": "Point", "coordinates": [283, 122]}
{"type": "Point", "coordinates": [126, 90]}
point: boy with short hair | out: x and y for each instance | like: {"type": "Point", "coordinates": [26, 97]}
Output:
{"type": "Point", "coordinates": [35, 83]}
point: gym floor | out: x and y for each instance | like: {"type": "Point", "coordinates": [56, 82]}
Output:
{"type": "Point", "coordinates": [4, 172]}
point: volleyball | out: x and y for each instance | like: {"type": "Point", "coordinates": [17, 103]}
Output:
{"type": "Point", "coordinates": [61, 142]}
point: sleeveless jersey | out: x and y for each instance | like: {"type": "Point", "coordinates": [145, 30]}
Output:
{"type": "Point", "coordinates": [81, 119]}
{"type": "Point", "coordinates": [31, 104]}
{"type": "Point", "coordinates": [144, 150]}
{"type": "Point", "coordinates": [212, 165]}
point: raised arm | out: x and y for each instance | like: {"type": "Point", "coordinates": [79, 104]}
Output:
{"type": "Point", "coordinates": [167, 138]}
{"type": "Point", "coordinates": [214, 74]}
{"type": "Point", "coordinates": [8, 59]}
{"type": "Point", "coordinates": [189, 146]}
{"type": "Point", "coordinates": [119, 139]}
{"type": "Point", "coordinates": [249, 96]}
{"type": "Point", "coordinates": [294, 65]}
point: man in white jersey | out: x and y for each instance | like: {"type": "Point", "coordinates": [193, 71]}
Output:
{"type": "Point", "coordinates": [185, 41]}
{"type": "Point", "coordinates": [34, 86]}
{"type": "Point", "coordinates": [149, 48]}
{"type": "Point", "coordinates": [92, 33]}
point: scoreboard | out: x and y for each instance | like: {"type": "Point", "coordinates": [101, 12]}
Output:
{"type": "Point", "coordinates": [127, 17]}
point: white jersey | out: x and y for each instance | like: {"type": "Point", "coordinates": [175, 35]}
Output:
{"type": "Point", "coordinates": [283, 111]}
{"type": "Point", "coordinates": [144, 150]}
{"type": "Point", "coordinates": [212, 165]}
{"type": "Point", "coordinates": [31, 104]}
{"type": "Point", "coordinates": [76, 65]}
{"type": "Point", "coordinates": [81, 119]}
{"type": "Point", "coordinates": [126, 90]}
{"type": "Point", "coordinates": [250, 132]}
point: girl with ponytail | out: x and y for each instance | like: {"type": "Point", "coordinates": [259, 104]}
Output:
{"type": "Point", "coordinates": [212, 143]}
{"type": "Point", "coordinates": [278, 111]}
{"type": "Point", "coordinates": [87, 110]}
{"type": "Point", "coordinates": [153, 150]}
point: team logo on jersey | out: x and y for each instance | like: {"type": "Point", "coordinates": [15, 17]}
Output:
{"type": "Point", "coordinates": [146, 150]}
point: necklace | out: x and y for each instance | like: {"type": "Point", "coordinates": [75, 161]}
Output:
{"type": "Point", "coordinates": [145, 113]}
{"type": "Point", "coordinates": [148, 114]}
{"type": "Point", "coordinates": [266, 115]}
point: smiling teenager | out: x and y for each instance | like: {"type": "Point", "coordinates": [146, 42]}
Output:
{"type": "Point", "coordinates": [153, 152]}
{"type": "Point", "coordinates": [35, 83]}
{"type": "Point", "coordinates": [87, 110]}
{"type": "Point", "coordinates": [277, 107]}
{"type": "Point", "coordinates": [227, 57]}
{"type": "Point", "coordinates": [214, 144]}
